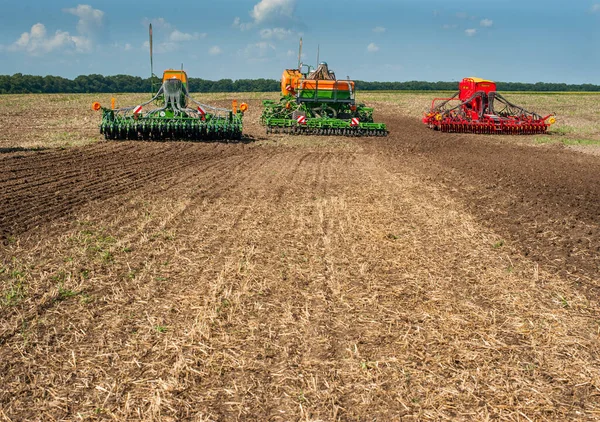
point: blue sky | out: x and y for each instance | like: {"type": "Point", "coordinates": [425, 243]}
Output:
{"type": "Point", "coordinates": [385, 40]}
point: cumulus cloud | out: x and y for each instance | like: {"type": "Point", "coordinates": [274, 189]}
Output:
{"type": "Point", "coordinates": [471, 32]}
{"type": "Point", "coordinates": [486, 23]}
{"type": "Point", "coordinates": [37, 42]}
{"type": "Point", "coordinates": [215, 50]}
{"type": "Point", "coordinates": [268, 10]}
{"type": "Point", "coordinates": [372, 48]}
{"type": "Point", "coordinates": [90, 21]}
{"type": "Point", "coordinates": [280, 12]}
{"type": "Point", "coordinates": [595, 8]}
{"type": "Point", "coordinates": [178, 36]}
{"type": "Point", "coordinates": [243, 26]}
{"type": "Point", "coordinates": [379, 29]}
{"type": "Point", "coordinates": [448, 26]}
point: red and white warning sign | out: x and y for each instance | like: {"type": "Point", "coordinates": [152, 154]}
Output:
{"type": "Point", "coordinates": [301, 120]}
{"type": "Point", "coordinates": [201, 111]}
{"type": "Point", "coordinates": [355, 122]}
{"type": "Point", "coordinates": [137, 109]}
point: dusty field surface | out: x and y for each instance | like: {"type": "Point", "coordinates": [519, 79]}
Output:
{"type": "Point", "coordinates": [422, 276]}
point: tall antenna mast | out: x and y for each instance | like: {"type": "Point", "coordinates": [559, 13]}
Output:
{"type": "Point", "coordinates": [318, 52]}
{"type": "Point", "coordinates": [151, 62]}
{"type": "Point", "coordinates": [300, 56]}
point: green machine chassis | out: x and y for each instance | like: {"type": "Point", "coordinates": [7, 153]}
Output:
{"type": "Point", "coordinates": [172, 118]}
{"type": "Point", "coordinates": [321, 112]}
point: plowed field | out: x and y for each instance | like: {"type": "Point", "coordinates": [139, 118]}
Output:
{"type": "Point", "coordinates": [422, 276]}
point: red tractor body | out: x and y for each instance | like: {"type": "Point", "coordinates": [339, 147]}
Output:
{"type": "Point", "coordinates": [469, 86]}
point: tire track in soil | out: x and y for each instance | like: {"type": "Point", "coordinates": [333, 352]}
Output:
{"type": "Point", "coordinates": [242, 192]}
{"type": "Point", "coordinates": [306, 182]}
{"type": "Point", "coordinates": [60, 189]}
{"type": "Point", "coordinates": [284, 171]}
{"type": "Point", "coordinates": [249, 185]}
{"type": "Point", "coordinates": [544, 200]}
{"type": "Point", "coordinates": [333, 348]}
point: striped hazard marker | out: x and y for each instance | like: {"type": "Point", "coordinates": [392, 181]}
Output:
{"type": "Point", "coordinates": [137, 109]}
{"type": "Point", "coordinates": [202, 112]}
{"type": "Point", "coordinates": [301, 120]}
{"type": "Point", "coordinates": [355, 122]}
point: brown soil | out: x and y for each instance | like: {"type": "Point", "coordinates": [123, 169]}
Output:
{"type": "Point", "coordinates": [423, 276]}
{"type": "Point", "coordinates": [544, 200]}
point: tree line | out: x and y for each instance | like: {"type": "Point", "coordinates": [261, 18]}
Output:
{"type": "Point", "coordinates": [26, 84]}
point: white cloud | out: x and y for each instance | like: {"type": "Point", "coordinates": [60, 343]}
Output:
{"type": "Point", "coordinates": [277, 33]}
{"type": "Point", "coordinates": [269, 11]}
{"type": "Point", "coordinates": [462, 15]}
{"type": "Point", "coordinates": [448, 26]}
{"type": "Point", "coordinates": [237, 23]}
{"type": "Point", "coordinates": [372, 48]}
{"type": "Point", "coordinates": [266, 10]}
{"type": "Point", "coordinates": [90, 20]}
{"type": "Point", "coordinates": [82, 44]}
{"type": "Point", "coordinates": [379, 29]}
{"type": "Point", "coordinates": [486, 23]}
{"type": "Point", "coordinates": [470, 32]}
{"type": "Point", "coordinates": [215, 50]}
{"type": "Point", "coordinates": [178, 36]}
{"type": "Point", "coordinates": [37, 42]}
{"type": "Point", "coordinates": [595, 8]}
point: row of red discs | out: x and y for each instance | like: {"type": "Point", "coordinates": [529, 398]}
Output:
{"type": "Point", "coordinates": [492, 128]}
